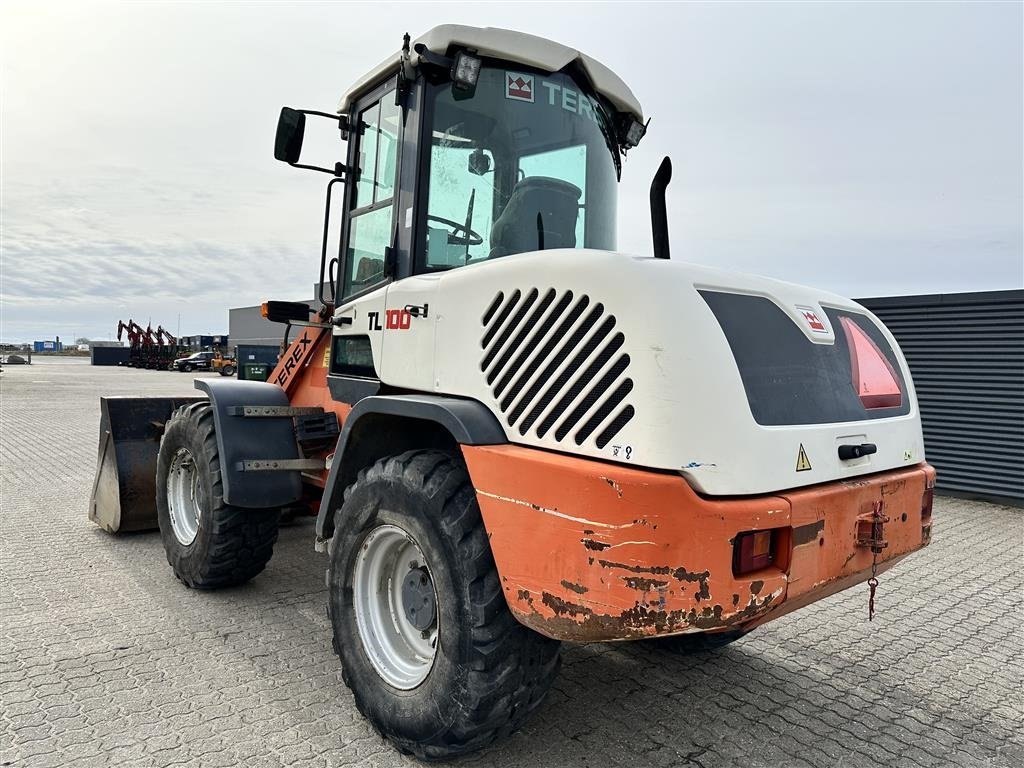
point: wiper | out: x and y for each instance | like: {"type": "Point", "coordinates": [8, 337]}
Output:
{"type": "Point", "coordinates": [605, 124]}
{"type": "Point", "coordinates": [469, 222]}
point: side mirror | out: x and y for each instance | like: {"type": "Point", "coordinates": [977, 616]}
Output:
{"type": "Point", "coordinates": [291, 126]}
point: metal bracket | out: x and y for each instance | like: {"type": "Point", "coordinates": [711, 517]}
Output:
{"type": "Point", "coordinates": [273, 411]}
{"type": "Point", "coordinates": [870, 529]}
{"type": "Point", "coordinates": [308, 324]}
{"type": "Point", "coordinates": [282, 465]}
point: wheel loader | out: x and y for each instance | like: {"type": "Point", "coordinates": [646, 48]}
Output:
{"type": "Point", "coordinates": [511, 434]}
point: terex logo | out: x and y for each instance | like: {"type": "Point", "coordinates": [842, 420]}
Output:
{"type": "Point", "coordinates": [811, 318]}
{"type": "Point", "coordinates": [294, 359]}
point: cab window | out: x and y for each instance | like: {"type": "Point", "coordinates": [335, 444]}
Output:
{"type": "Point", "coordinates": [372, 198]}
{"type": "Point", "coordinates": [521, 164]}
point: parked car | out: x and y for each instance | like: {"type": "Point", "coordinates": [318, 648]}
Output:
{"type": "Point", "coordinates": [206, 361]}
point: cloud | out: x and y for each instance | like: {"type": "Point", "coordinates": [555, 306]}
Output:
{"type": "Point", "coordinates": [869, 149]}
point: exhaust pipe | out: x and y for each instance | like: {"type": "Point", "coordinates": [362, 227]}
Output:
{"type": "Point", "coordinates": [659, 216]}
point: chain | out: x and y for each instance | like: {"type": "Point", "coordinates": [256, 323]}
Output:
{"type": "Point", "coordinates": [872, 584]}
{"type": "Point", "coordinates": [876, 535]}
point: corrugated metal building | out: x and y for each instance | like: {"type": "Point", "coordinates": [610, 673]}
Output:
{"type": "Point", "coordinates": [256, 339]}
{"type": "Point", "coordinates": [966, 353]}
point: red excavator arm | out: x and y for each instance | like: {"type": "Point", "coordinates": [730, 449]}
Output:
{"type": "Point", "coordinates": [172, 341]}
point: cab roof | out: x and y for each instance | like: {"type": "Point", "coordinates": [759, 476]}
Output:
{"type": "Point", "coordinates": [518, 47]}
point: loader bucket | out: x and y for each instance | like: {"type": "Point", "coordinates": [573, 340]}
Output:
{"type": "Point", "coordinates": [124, 491]}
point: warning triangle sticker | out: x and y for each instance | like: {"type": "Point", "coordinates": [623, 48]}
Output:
{"type": "Point", "coordinates": [802, 462]}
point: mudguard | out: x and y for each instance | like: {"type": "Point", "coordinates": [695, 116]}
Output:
{"type": "Point", "coordinates": [467, 421]}
{"type": "Point", "coordinates": [241, 438]}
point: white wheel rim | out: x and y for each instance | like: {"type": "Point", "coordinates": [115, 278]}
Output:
{"type": "Point", "coordinates": [182, 492]}
{"type": "Point", "coordinates": [400, 653]}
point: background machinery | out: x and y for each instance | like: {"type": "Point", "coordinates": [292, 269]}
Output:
{"type": "Point", "coordinates": [502, 452]}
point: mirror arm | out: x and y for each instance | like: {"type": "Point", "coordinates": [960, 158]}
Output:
{"type": "Point", "coordinates": [340, 169]}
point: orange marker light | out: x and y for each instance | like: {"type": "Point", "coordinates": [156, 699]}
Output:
{"type": "Point", "coordinates": [264, 309]}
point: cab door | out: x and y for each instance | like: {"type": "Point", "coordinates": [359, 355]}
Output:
{"type": "Point", "coordinates": [357, 350]}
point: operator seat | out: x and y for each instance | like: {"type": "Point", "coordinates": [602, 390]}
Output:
{"type": "Point", "coordinates": [515, 230]}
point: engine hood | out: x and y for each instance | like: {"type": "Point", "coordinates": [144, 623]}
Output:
{"type": "Point", "coordinates": [743, 384]}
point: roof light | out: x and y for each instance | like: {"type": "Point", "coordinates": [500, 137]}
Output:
{"type": "Point", "coordinates": [465, 71]}
{"type": "Point", "coordinates": [630, 130]}
{"type": "Point", "coordinates": [874, 379]}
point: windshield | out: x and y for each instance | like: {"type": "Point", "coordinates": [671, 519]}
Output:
{"type": "Point", "coordinates": [520, 165]}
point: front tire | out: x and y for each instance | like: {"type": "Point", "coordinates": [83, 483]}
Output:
{"type": "Point", "coordinates": [428, 647]}
{"type": "Point", "coordinates": [187, 368]}
{"type": "Point", "coordinates": [209, 544]}
{"type": "Point", "coordinates": [227, 370]}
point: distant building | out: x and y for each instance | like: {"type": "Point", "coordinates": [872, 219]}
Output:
{"type": "Point", "coordinates": [48, 346]}
{"type": "Point", "coordinates": [256, 339]}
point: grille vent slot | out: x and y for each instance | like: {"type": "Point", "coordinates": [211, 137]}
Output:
{"type": "Point", "coordinates": [554, 363]}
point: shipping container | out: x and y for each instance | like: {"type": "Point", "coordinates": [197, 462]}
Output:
{"type": "Point", "coordinates": [252, 355]}
{"type": "Point", "coordinates": [110, 355]}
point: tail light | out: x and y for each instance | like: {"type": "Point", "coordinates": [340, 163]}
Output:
{"type": "Point", "coordinates": [874, 379]}
{"type": "Point", "coordinates": [754, 550]}
{"type": "Point", "coordinates": [926, 515]}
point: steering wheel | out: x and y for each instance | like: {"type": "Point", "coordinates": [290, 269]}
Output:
{"type": "Point", "coordinates": [470, 237]}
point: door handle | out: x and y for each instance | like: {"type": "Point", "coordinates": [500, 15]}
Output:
{"type": "Point", "coordinates": [849, 452]}
{"type": "Point", "coordinates": [417, 311]}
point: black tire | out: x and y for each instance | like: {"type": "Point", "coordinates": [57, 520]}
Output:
{"type": "Point", "coordinates": [699, 642]}
{"type": "Point", "coordinates": [489, 672]}
{"type": "Point", "coordinates": [187, 368]}
{"type": "Point", "coordinates": [231, 544]}
{"type": "Point", "coordinates": [227, 370]}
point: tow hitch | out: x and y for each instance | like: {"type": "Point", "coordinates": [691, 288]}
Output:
{"type": "Point", "coordinates": [871, 534]}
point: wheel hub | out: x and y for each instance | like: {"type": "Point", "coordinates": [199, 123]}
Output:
{"type": "Point", "coordinates": [418, 598]}
{"type": "Point", "coordinates": [395, 606]}
{"type": "Point", "coordinates": [183, 491]}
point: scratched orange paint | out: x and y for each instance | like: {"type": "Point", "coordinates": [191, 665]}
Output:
{"type": "Point", "coordinates": [593, 551]}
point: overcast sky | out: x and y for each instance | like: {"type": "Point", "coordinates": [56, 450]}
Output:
{"type": "Point", "coordinates": [870, 149]}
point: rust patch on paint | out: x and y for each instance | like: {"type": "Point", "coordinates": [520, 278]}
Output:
{"type": "Point", "coordinates": [756, 587]}
{"type": "Point", "coordinates": [805, 534]}
{"type": "Point", "coordinates": [642, 584]}
{"type": "Point", "coordinates": [597, 546]}
{"type": "Point", "coordinates": [679, 574]}
{"type": "Point", "coordinates": [577, 588]}
{"type": "Point", "coordinates": [581, 623]}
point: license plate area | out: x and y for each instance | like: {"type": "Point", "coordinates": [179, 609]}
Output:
{"type": "Point", "coordinates": [854, 521]}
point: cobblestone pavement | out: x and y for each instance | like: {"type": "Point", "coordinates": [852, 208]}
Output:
{"type": "Point", "coordinates": [106, 660]}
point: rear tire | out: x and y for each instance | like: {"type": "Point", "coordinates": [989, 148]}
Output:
{"type": "Point", "coordinates": [208, 543]}
{"type": "Point", "coordinates": [699, 642]}
{"type": "Point", "coordinates": [227, 370]}
{"type": "Point", "coordinates": [471, 673]}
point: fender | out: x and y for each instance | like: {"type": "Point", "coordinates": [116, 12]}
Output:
{"type": "Point", "coordinates": [467, 421]}
{"type": "Point", "coordinates": [240, 439]}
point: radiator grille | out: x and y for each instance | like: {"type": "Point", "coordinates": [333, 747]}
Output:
{"type": "Point", "coordinates": [554, 363]}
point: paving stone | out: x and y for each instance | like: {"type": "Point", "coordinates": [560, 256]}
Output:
{"type": "Point", "coordinates": [106, 660]}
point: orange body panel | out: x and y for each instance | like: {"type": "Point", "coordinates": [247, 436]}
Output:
{"type": "Point", "coordinates": [302, 373]}
{"type": "Point", "coordinates": [593, 551]}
